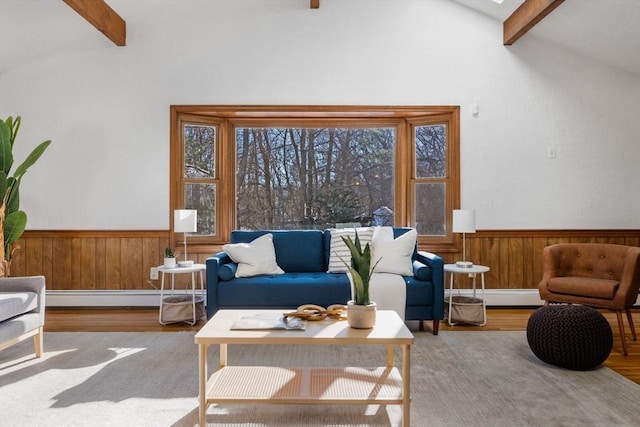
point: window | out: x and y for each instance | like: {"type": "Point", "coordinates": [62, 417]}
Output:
{"type": "Point", "coordinates": [315, 167]}
{"type": "Point", "coordinates": [433, 168]}
{"type": "Point", "coordinates": [199, 174]}
{"type": "Point", "coordinates": [295, 177]}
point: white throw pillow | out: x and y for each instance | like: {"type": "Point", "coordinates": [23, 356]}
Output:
{"type": "Point", "coordinates": [338, 249]}
{"type": "Point", "coordinates": [394, 255]}
{"type": "Point", "coordinates": [255, 258]}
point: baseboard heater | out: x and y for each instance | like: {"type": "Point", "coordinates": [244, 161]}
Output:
{"type": "Point", "coordinates": [151, 298]}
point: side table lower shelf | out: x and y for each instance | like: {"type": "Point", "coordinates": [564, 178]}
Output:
{"type": "Point", "coordinates": [275, 385]}
{"type": "Point", "coordinates": [464, 309]}
{"type": "Point", "coordinates": [182, 308]}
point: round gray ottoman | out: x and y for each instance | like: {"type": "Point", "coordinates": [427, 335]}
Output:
{"type": "Point", "coordinates": [570, 336]}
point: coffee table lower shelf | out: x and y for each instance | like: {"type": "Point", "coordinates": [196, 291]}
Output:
{"type": "Point", "coordinates": [326, 386]}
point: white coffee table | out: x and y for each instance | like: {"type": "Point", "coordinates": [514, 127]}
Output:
{"type": "Point", "coordinates": [330, 386]}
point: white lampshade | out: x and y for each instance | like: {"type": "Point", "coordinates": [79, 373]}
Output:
{"type": "Point", "coordinates": [185, 221]}
{"type": "Point", "coordinates": [464, 221]}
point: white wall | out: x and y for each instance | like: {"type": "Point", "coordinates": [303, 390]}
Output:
{"type": "Point", "coordinates": [107, 109]}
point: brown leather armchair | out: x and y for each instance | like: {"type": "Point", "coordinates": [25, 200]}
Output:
{"type": "Point", "coordinates": [594, 274]}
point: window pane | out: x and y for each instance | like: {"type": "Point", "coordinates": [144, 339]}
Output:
{"type": "Point", "coordinates": [314, 178]}
{"type": "Point", "coordinates": [430, 209]}
{"type": "Point", "coordinates": [431, 153]}
{"type": "Point", "coordinates": [199, 151]}
{"type": "Point", "coordinates": [202, 197]}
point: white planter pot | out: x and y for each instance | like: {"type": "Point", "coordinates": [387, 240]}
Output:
{"type": "Point", "coordinates": [169, 263]}
{"type": "Point", "coordinates": [361, 316]}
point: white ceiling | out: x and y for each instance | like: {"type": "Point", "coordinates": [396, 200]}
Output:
{"type": "Point", "coordinates": [607, 31]}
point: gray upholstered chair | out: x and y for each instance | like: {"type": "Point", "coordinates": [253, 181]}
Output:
{"type": "Point", "coordinates": [22, 311]}
{"type": "Point", "coordinates": [593, 274]}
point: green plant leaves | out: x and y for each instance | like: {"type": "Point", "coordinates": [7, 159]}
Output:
{"type": "Point", "coordinates": [3, 185]}
{"type": "Point", "coordinates": [15, 126]}
{"type": "Point", "coordinates": [13, 200]}
{"type": "Point", "coordinates": [6, 153]}
{"type": "Point", "coordinates": [15, 220]}
{"type": "Point", "coordinates": [31, 159]}
{"type": "Point", "coordinates": [361, 296]}
{"type": "Point", "coordinates": [360, 268]}
{"type": "Point", "coordinates": [14, 225]}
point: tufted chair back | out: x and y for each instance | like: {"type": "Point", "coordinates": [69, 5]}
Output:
{"type": "Point", "coordinates": [599, 261]}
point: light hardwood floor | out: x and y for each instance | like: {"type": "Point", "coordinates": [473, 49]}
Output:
{"type": "Point", "coordinates": [498, 319]}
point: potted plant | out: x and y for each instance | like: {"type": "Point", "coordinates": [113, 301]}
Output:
{"type": "Point", "coordinates": [13, 221]}
{"type": "Point", "coordinates": [361, 311]}
{"type": "Point", "coordinates": [169, 257]}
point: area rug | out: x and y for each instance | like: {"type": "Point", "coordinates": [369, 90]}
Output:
{"type": "Point", "coordinates": [150, 379]}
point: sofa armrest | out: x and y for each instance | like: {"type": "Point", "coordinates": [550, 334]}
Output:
{"type": "Point", "coordinates": [213, 264]}
{"type": "Point", "coordinates": [437, 278]}
{"type": "Point", "coordinates": [27, 284]}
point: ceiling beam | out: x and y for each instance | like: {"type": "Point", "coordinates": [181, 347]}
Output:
{"type": "Point", "coordinates": [314, 4]}
{"type": "Point", "coordinates": [526, 17]}
{"type": "Point", "coordinates": [100, 15]}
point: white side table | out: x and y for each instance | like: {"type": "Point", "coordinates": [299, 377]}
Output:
{"type": "Point", "coordinates": [195, 268]}
{"type": "Point", "coordinates": [472, 272]}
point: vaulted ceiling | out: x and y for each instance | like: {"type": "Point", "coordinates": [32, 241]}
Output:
{"type": "Point", "coordinates": [607, 31]}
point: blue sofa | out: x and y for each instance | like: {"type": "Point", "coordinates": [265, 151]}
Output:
{"type": "Point", "coordinates": [304, 256]}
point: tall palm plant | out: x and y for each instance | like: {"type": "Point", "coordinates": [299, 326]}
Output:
{"type": "Point", "coordinates": [13, 221]}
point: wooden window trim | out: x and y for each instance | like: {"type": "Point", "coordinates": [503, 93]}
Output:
{"type": "Point", "coordinates": [228, 117]}
{"type": "Point", "coordinates": [450, 241]}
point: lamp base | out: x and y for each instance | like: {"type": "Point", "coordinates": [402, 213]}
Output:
{"type": "Point", "coordinates": [464, 264]}
{"type": "Point", "coordinates": [185, 263]}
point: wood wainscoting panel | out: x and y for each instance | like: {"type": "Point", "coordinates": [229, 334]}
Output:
{"type": "Point", "coordinates": [34, 255]}
{"type": "Point", "coordinates": [131, 262]}
{"type": "Point", "coordinates": [515, 256]}
{"type": "Point", "coordinates": [90, 260]}
{"type": "Point", "coordinates": [88, 266]}
{"type": "Point", "coordinates": [64, 262]}
{"type": "Point", "coordinates": [121, 260]}
{"type": "Point", "coordinates": [112, 258]}
{"type": "Point", "coordinates": [101, 267]}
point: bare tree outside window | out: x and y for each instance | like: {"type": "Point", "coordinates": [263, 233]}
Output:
{"type": "Point", "coordinates": [292, 178]}
{"type": "Point", "coordinates": [431, 151]}
{"type": "Point", "coordinates": [430, 170]}
{"type": "Point", "coordinates": [199, 171]}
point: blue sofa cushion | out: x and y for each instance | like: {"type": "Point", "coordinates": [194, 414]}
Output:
{"type": "Point", "coordinates": [421, 271]}
{"type": "Point", "coordinates": [297, 251]}
{"type": "Point", "coordinates": [227, 271]}
{"type": "Point", "coordinates": [289, 290]}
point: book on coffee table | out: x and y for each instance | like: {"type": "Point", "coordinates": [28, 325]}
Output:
{"type": "Point", "coordinates": [268, 321]}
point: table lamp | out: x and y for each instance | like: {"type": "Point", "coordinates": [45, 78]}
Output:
{"type": "Point", "coordinates": [464, 221]}
{"type": "Point", "coordinates": [185, 221]}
